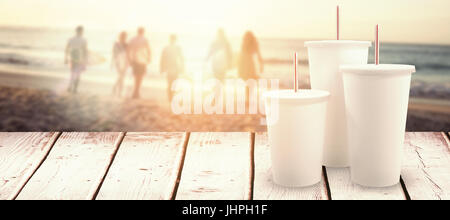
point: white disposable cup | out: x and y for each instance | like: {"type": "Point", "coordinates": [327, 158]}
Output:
{"type": "Point", "coordinates": [296, 125]}
{"type": "Point", "coordinates": [325, 57]}
{"type": "Point", "coordinates": [376, 98]}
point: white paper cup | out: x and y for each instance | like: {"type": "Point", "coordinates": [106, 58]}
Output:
{"type": "Point", "coordinates": [376, 98]}
{"type": "Point", "coordinates": [296, 125]}
{"type": "Point", "coordinates": [325, 57]}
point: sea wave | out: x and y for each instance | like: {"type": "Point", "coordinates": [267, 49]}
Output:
{"type": "Point", "coordinates": [24, 60]}
{"type": "Point", "coordinates": [29, 47]}
{"type": "Point", "coordinates": [433, 66]}
{"type": "Point", "coordinates": [408, 49]}
{"type": "Point", "coordinates": [9, 46]}
{"type": "Point", "coordinates": [424, 89]}
{"type": "Point", "coordinates": [15, 59]}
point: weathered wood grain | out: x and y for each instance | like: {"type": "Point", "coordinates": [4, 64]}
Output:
{"type": "Point", "coordinates": [426, 170]}
{"type": "Point", "coordinates": [217, 166]}
{"type": "Point", "coordinates": [342, 188]}
{"type": "Point", "coordinates": [265, 189]}
{"type": "Point", "coordinates": [21, 153]}
{"type": "Point", "coordinates": [74, 168]}
{"type": "Point", "coordinates": [146, 167]}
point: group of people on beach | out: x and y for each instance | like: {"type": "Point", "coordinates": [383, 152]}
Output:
{"type": "Point", "coordinates": [136, 53]}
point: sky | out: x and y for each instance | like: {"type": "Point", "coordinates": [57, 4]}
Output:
{"type": "Point", "coordinates": [406, 21]}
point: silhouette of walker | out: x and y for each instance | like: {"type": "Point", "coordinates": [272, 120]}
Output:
{"type": "Point", "coordinates": [221, 55]}
{"type": "Point", "coordinates": [247, 67]}
{"type": "Point", "coordinates": [250, 49]}
{"type": "Point", "coordinates": [172, 63]}
{"type": "Point", "coordinates": [120, 62]}
{"type": "Point", "coordinates": [76, 55]}
{"type": "Point", "coordinates": [139, 55]}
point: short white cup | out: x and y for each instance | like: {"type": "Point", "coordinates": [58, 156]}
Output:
{"type": "Point", "coordinates": [325, 57]}
{"type": "Point", "coordinates": [376, 98]}
{"type": "Point", "coordinates": [296, 125]}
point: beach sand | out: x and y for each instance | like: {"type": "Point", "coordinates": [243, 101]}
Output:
{"type": "Point", "coordinates": [30, 102]}
{"type": "Point", "coordinates": [428, 117]}
{"type": "Point", "coordinates": [40, 110]}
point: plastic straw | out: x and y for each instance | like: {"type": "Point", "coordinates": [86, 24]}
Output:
{"type": "Point", "coordinates": [337, 22]}
{"type": "Point", "coordinates": [377, 46]}
{"type": "Point", "coordinates": [295, 72]}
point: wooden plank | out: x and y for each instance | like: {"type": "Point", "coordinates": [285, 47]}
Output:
{"type": "Point", "coordinates": [145, 167]}
{"type": "Point", "coordinates": [74, 168]}
{"type": "Point", "coordinates": [342, 188]}
{"type": "Point", "coordinates": [217, 166]}
{"type": "Point", "coordinates": [20, 155]}
{"type": "Point", "coordinates": [426, 172]}
{"type": "Point", "coordinates": [265, 189]}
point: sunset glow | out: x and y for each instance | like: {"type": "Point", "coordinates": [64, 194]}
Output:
{"type": "Point", "coordinates": [402, 20]}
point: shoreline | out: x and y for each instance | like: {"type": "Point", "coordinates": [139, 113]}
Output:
{"type": "Point", "coordinates": [40, 103]}
{"type": "Point", "coordinates": [151, 86]}
{"type": "Point", "coordinates": [43, 110]}
{"type": "Point", "coordinates": [429, 105]}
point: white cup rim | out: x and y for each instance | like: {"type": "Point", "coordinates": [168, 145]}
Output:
{"type": "Point", "coordinates": [337, 43]}
{"type": "Point", "coordinates": [302, 95]}
{"type": "Point", "coordinates": [380, 69]}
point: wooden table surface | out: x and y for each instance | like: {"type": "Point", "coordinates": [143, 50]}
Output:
{"type": "Point", "coordinates": [231, 166]}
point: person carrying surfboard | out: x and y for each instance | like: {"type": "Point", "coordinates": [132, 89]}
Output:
{"type": "Point", "coordinates": [76, 55]}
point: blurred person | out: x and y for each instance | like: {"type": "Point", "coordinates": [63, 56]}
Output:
{"type": "Point", "coordinates": [76, 54]}
{"type": "Point", "coordinates": [139, 55]}
{"type": "Point", "coordinates": [250, 48]}
{"type": "Point", "coordinates": [172, 63]}
{"type": "Point", "coordinates": [221, 54]}
{"type": "Point", "coordinates": [120, 62]}
{"type": "Point", "coordinates": [247, 68]}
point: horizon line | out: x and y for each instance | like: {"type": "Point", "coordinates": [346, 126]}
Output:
{"type": "Point", "coordinates": [231, 36]}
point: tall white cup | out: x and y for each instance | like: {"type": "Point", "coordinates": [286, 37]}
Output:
{"type": "Point", "coordinates": [376, 98]}
{"type": "Point", "coordinates": [325, 57]}
{"type": "Point", "coordinates": [296, 125]}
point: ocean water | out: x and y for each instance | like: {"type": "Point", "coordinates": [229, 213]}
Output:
{"type": "Point", "coordinates": [41, 50]}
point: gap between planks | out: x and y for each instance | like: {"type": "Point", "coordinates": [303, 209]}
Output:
{"type": "Point", "coordinates": [33, 171]}
{"type": "Point", "coordinates": [61, 170]}
{"type": "Point", "coordinates": [405, 190]}
{"type": "Point", "coordinates": [447, 138]}
{"type": "Point", "coordinates": [252, 137]}
{"type": "Point", "coordinates": [181, 166]}
{"type": "Point", "coordinates": [252, 168]}
{"type": "Point", "coordinates": [117, 146]}
{"type": "Point", "coordinates": [266, 189]}
{"type": "Point", "coordinates": [180, 169]}
{"type": "Point", "coordinates": [339, 186]}
{"type": "Point", "coordinates": [326, 183]}
{"type": "Point", "coordinates": [252, 163]}
{"type": "Point", "coordinates": [146, 167]}
{"type": "Point", "coordinates": [198, 147]}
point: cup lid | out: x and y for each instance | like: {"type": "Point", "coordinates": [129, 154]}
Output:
{"type": "Point", "coordinates": [338, 43]}
{"type": "Point", "coordinates": [289, 95]}
{"type": "Point", "coordinates": [372, 69]}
